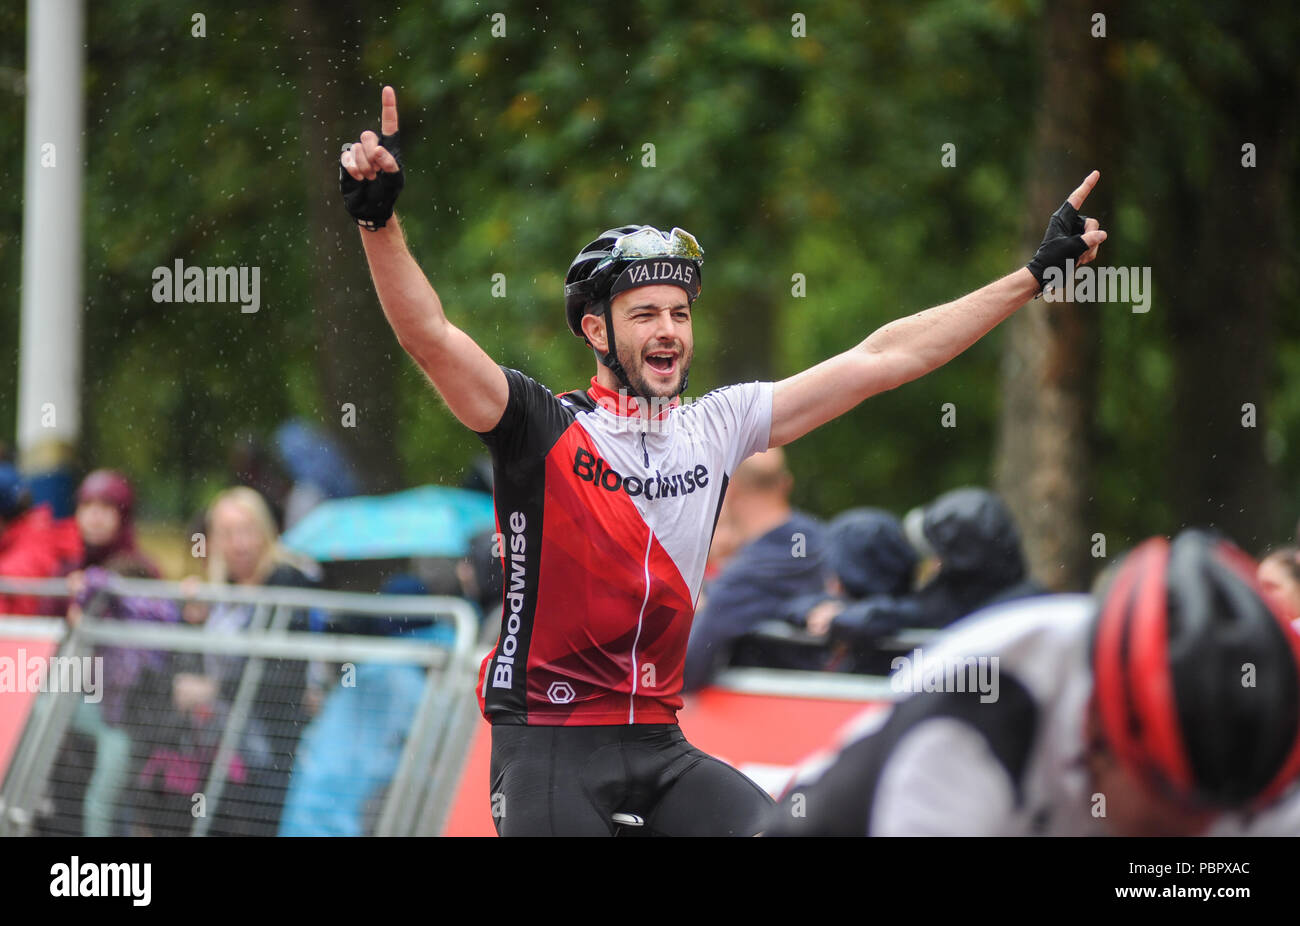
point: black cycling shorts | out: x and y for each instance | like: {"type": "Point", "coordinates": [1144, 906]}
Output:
{"type": "Point", "coordinates": [569, 781]}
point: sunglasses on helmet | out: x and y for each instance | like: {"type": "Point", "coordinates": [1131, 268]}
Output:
{"type": "Point", "coordinates": [650, 242]}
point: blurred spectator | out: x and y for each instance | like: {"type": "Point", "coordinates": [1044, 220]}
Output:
{"type": "Point", "coordinates": [243, 549]}
{"type": "Point", "coordinates": [872, 567]}
{"type": "Point", "coordinates": [105, 521]}
{"type": "Point", "coordinates": [33, 545]}
{"type": "Point", "coordinates": [977, 544]}
{"type": "Point", "coordinates": [726, 541]}
{"type": "Point", "coordinates": [105, 524]}
{"type": "Point", "coordinates": [780, 558]}
{"type": "Point", "coordinates": [974, 540]}
{"type": "Point", "coordinates": [120, 723]}
{"type": "Point", "coordinates": [316, 464]}
{"type": "Point", "coordinates": [478, 475]}
{"type": "Point", "coordinates": [350, 752]}
{"type": "Point", "coordinates": [177, 769]}
{"type": "Point", "coordinates": [252, 464]}
{"type": "Point", "coordinates": [1279, 574]}
{"type": "Point", "coordinates": [480, 574]}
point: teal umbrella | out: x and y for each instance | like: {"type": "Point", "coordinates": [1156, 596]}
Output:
{"type": "Point", "coordinates": [428, 521]}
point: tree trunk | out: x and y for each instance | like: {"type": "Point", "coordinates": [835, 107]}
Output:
{"type": "Point", "coordinates": [1217, 282]}
{"type": "Point", "coordinates": [357, 360]}
{"type": "Point", "coordinates": [1049, 367]}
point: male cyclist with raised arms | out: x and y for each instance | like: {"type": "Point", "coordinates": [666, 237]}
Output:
{"type": "Point", "coordinates": [606, 504]}
{"type": "Point", "coordinates": [1169, 705]}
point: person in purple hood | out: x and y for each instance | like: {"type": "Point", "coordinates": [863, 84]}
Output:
{"type": "Point", "coordinates": [106, 520]}
{"type": "Point", "coordinates": [111, 712]}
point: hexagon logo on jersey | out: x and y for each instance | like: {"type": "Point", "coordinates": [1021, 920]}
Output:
{"type": "Point", "coordinates": [560, 693]}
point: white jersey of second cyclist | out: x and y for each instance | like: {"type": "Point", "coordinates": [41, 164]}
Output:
{"type": "Point", "coordinates": [971, 764]}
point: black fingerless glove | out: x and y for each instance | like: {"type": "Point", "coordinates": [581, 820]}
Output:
{"type": "Point", "coordinates": [1063, 241]}
{"type": "Point", "coordinates": [371, 202]}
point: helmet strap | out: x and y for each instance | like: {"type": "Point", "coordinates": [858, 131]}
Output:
{"type": "Point", "coordinates": [610, 358]}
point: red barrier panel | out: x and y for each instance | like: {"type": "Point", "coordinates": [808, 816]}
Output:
{"type": "Point", "coordinates": [765, 736]}
{"type": "Point", "coordinates": [15, 699]}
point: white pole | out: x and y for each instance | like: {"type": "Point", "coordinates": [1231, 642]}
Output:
{"type": "Point", "coordinates": [49, 381]}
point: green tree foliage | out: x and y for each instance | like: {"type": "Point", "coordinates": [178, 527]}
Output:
{"type": "Point", "coordinates": [818, 155]}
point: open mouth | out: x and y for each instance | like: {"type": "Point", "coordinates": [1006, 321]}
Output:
{"type": "Point", "coordinates": [662, 362]}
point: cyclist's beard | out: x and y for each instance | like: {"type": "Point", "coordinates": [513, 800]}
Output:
{"type": "Point", "coordinates": [635, 366]}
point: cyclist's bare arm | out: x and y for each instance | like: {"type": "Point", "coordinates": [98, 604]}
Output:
{"type": "Point", "coordinates": [901, 351]}
{"type": "Point", "coordinates": [469, 381]}
{"type": "Point", "coordinates": [907, 348]}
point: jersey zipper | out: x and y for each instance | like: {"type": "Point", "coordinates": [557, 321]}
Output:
{"type": "Point", "coordinates": [631, 705]}
{"type": "Point", "coordinates": [631, 701]}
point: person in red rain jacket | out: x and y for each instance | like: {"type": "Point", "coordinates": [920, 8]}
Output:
{"type": "Point", "coordinates": [33, 545]}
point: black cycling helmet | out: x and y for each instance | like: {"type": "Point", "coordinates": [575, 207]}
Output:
{"type": "Point", "coordinates": [1197, 674]}
{"type": "Point", "coordinates": [621, 258]}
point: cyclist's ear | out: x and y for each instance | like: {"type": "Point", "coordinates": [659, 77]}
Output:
{"type": "Point", "coordinates": [593, 328]}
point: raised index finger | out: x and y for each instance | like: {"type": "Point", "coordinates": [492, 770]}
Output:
{"type": "Point", "coordinates": [1078, 196]}
{"type": "Point", "coordinates": [388, 121]}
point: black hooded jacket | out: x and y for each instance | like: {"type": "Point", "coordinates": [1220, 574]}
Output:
{"type": "Point", "coordinates": [977, 544]}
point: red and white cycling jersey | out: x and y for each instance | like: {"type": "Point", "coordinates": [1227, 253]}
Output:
{"type": "Point", "coordinates": [605, 520]}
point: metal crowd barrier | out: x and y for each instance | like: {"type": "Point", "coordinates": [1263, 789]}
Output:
{"type": "Point", "coordinates": [257, 716]}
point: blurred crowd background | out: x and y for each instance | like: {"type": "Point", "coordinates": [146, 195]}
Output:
{"type": "Point", "coordinates": [819, 155]}
{"type": "Point", "coordinates": [317, 750]}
